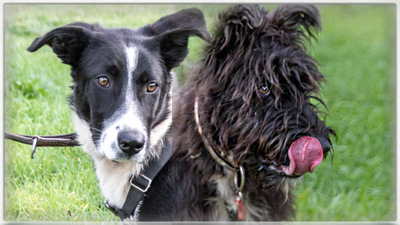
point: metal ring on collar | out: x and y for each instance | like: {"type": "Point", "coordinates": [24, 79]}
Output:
{"type": "Point", "coordinates": [241, 173]}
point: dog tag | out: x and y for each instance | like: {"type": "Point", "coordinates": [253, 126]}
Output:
{"type": "Point", "coordinates": [241, 212]}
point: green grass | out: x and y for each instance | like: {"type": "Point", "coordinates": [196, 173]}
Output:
{"type": "Point", "coordinates": [356, 50]}
{"type": "Point", "coordinates": [357, 54]}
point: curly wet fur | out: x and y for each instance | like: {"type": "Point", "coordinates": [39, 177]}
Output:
{"type": "Point", "coordinates": [251, 48]}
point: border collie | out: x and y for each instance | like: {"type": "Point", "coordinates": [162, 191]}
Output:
{"type": "Point", "coordinates": [122, 92]}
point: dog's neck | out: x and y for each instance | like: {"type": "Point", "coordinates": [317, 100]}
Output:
{"type": "Point", "coordinates": [231, 195]}
{"type": "Point", "coordinates": [219, 158]}
{"type": "Point", "coordinates": [226, 208]}
{"type": "Point", "coordinates": [228, 184]}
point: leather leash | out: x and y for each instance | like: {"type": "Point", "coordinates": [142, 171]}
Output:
{"type": "Point", "coordinates": [139, 184]}
{"type": "Point", "coordinates": [64, 140]}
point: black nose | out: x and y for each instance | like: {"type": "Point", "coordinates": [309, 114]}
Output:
{"type": "Point", "coordinates": [131, 141]}
{"type": "Point", "coordinates": [326, 145]}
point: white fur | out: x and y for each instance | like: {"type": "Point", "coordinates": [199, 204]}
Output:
{"type": "Point", "coordinates": [113, 176]}
{"type": "Point", "coordinates": [84, 136]}
{"type": "Point", "coordinates": [127, 118]}
{"type": "Point", "coordinates": [132, 58]}
{"type": "Point", "coordinates": [225, 200]}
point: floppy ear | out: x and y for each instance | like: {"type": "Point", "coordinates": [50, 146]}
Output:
{"type": "Point", "coordinates": [186, 19]}
{"type": "Point", "coordinates": [173, 47]}
{"type": "Point", "coordinates": [67, 42]}
{"type": "Point", "coordinates": [173, 31]}
{"type": "Point", "coordinates": [292, 18]}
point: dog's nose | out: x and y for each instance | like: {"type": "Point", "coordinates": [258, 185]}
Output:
{"type": "Point", "coordinates": [326, 146]}
{"type": "Point", "coordinates": [131, 141]}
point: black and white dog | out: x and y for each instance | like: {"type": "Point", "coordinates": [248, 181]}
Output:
{"type": "Point", "coordinates": [122, 93]}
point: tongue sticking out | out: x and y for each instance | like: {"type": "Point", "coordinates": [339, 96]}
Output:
{"type": "Point", "coordinates": [304, 154]}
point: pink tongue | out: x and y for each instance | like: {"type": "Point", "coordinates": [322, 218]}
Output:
{"type": "Point", "coordinates": [304, 154]}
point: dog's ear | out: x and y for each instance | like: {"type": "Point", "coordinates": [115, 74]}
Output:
{"type": "Point", "coordinates": [67, 42]}
{"type": "Point", "coordinates": [172, 33]}
{"type": "Point", "coordinates": [296, 21]}
{"type": "Point", "coordinates": [174, 47]}
{"type": "Point", "coordinates": [186, 19]}
{"type": "Point", "coordinates": [237, 23]}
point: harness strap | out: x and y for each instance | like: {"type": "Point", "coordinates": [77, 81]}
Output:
{"type": "Point", "coordinates": [140, 184]}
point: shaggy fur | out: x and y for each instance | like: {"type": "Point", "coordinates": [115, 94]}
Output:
{"type": "Point", "coordinates": [256, 87]}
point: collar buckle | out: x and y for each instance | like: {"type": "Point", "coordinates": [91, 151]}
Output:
{"type": "Point", "coordinates": [141, 184]}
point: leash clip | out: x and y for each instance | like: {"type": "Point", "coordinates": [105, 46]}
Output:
{"type": "Point", "coordinates": [34, 143]}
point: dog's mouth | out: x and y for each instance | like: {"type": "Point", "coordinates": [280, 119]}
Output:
{"type": "Point", "coordinates": [304, 155]}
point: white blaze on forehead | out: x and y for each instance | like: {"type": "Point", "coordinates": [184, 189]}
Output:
{"type": "Point", "coordinates": [131, 107]}
{"type": "Point", "coordinates": [132, 58]}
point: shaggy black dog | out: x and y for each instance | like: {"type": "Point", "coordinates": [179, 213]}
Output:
{"type": "Point", "coordinates": [247, 122]}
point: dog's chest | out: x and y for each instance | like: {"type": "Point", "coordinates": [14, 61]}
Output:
{"type": "Point", "coordinates": [114, 180]}
{"type": "Point", "coordinates": [113, 177]}
{"type": "Point", "coordinates": [224, 203]}
{"type": "Point", "coordinates": [226, 208]}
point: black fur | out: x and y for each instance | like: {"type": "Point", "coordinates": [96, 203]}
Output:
{"type": "Point", "coordinates": [94, 52]}
{"type": "Point", "coordinates": [80, 44]}
{"type": "Point", "coordinates": [251, 48]}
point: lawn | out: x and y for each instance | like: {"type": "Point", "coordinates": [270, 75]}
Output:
{"type": "Point", "coordinates": [356, 51]}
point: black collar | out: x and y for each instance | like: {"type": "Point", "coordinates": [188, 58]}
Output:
{"type": "Point", "coordinates": [141, 183]}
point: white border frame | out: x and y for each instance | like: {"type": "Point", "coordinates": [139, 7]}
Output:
{"type": "Point", "coordinates": [3, 2]}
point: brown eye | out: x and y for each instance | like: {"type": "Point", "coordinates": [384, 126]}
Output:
{"type": "Point", "coordinates": [152, 86]}
{"type": "Point", "coordinates": [103, 81]}
{"type": "Point", "coordinates": [264, 89]}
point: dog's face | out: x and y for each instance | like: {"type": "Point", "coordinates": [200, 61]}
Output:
{"type": "Point", "coordinates": [126, 95]}
{"type": "Point", "coordinates": [122, 80]}
{"type": "Point", "coordinates": [266, 83]}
